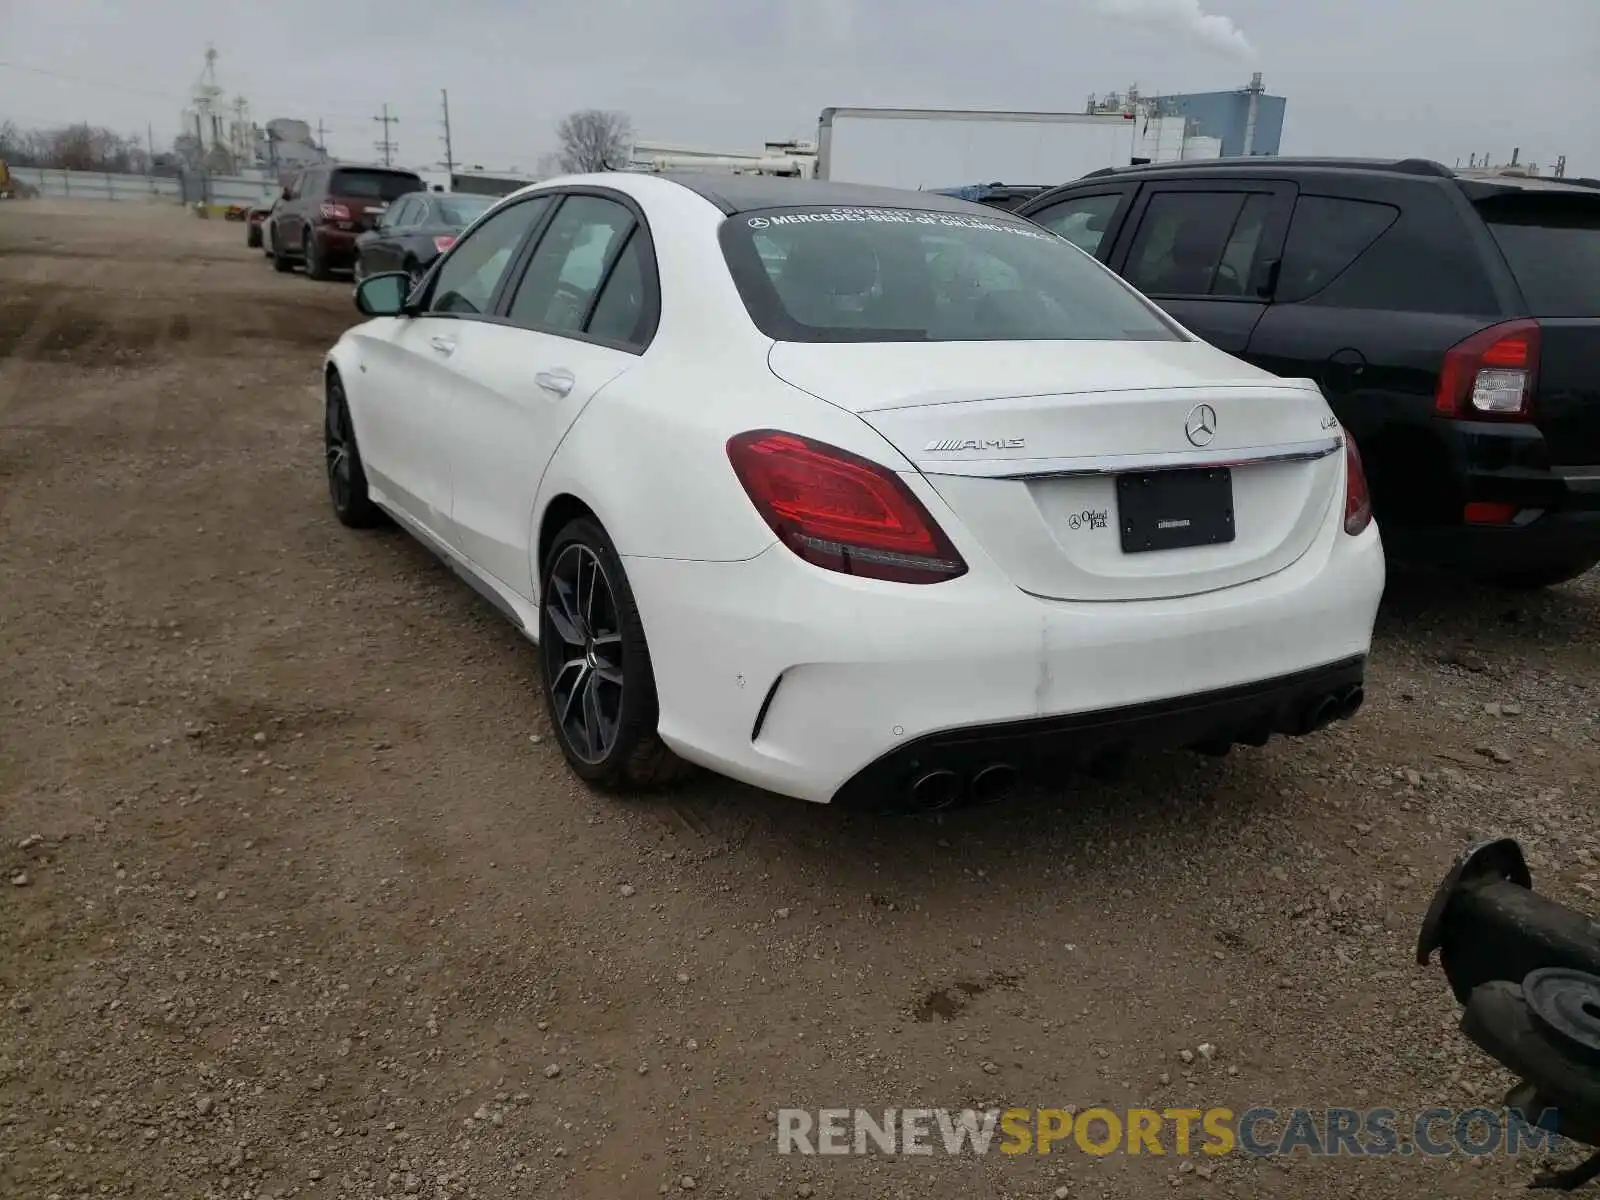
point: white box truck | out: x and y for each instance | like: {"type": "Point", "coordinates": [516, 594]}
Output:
{"type": "Point", "coordinates": [930, 148]}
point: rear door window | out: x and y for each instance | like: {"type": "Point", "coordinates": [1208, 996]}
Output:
{"type": "Point", "coordinates": [1552, 245]}
{"type": "Point", "coordinates": [1326, 235]}
{"type": "Point", "coordinates": [624, 309]}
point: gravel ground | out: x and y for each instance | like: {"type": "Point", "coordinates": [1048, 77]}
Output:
{"type": "Point", "coordinates": [300, 900]}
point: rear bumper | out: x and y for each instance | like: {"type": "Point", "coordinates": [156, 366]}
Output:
{"type": "Point", "coordinates": [337, 246]}
{"type": "Point", "coordinates": [799, 680]}
{"type": "Point", "coordinates": [1558, 507]}
{"type": "Point", "coordinates": [1249, 713]}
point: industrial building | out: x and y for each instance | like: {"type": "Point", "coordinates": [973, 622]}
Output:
{"type": "Point", "coordinates": [1242, 122]}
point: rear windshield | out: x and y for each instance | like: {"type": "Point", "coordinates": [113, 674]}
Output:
{"type": "Point", "coordinates": [830, 274]}
{"type": "Point", "coordinates": [461, 210]}
{"type": "Point", "coordinates": [1553, 248]}
{"type": "Point", "coordinates": [373, 185]}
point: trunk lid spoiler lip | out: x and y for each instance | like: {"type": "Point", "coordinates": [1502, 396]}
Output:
{"type": "Point", "coordinates": [971, 396]}
{"type": "Point", "coordinates": [1121, 464]}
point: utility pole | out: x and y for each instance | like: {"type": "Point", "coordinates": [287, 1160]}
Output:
{"type": "Point", "coordinates": [322, 138]}
{"type": "Point", "coordinates": [449, 153]}
{"type": "Point", "coordinates": [388, 147]}
{"type": "Point", "coordinates": [150, 145]}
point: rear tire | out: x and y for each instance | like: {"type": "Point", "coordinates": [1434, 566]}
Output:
{"type": "Point", "coordinates": [316, 267]}
{"type": "Point", "coordinates": [1542, 577]}
{"type": "Point", "coordinates": [347, 480]}
{"type": "Point", "coordinates": [599, 686]}
{"type": "Point", "coordinates": [279, 262]}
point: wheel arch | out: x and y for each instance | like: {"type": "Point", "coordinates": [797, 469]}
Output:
{"type": "Point", "coordinates": [337, 365]}
{"type": "Point", "coordinates": [562, 509]}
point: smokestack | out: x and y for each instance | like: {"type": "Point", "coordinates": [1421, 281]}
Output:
{"type": "Point", "coordinates": [1252, 114]}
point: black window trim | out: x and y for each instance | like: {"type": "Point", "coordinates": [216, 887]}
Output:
{"type": "Point", "coordinates": [501, 306]}
{"type": "Point", "coordinates": [1125, 193]}
{"type": "Point", "coordinates": [1268, 250]}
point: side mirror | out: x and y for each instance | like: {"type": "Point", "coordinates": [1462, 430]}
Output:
{"type": "Point", "coordinates": [383, 295]}
{"type": "Point", "coordinates": [284, 195]}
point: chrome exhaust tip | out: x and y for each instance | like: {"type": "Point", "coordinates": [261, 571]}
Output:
{"type": "Point", "coordinates": [993, 783]}
{"type": "Point", "coordinates": [1322, 713]}
{"type": "Point", "coordinates": [934, 791]}
{"type": "Point", "coordinates": [1351, 703]}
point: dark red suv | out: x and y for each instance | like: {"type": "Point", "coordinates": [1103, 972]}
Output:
{"type": "Point", "coordinates": [325, 208]}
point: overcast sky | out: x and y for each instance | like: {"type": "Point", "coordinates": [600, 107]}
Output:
{"type": "Point", "coordinates": [1384, 77]}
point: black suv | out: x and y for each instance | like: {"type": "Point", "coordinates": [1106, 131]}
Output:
{"type": "Point", "coordinates": [1452, 323]}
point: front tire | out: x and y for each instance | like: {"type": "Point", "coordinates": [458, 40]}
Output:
{"type": "Point", "coordinates": [599, 687]}
{"type": "Point", "coordinates": [347, 480]}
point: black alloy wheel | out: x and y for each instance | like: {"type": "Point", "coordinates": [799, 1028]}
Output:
{"type": "Point", "coordinates": [599, 685]}
{"type": "Point", "coordinates": [347, 481]}
{"type": "Point", "coordinates": [584, 660]}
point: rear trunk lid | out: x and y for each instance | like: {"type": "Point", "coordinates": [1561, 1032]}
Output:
{"type": "Point", "coordinates": [1550, 239]}
{"type": "Point", "coordinates": [1047, 452]}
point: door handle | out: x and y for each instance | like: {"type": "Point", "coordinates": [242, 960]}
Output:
{"type": "Point", "coordinates": [558, 382]}
{"type": "Point", "coordinates": [444, 345]}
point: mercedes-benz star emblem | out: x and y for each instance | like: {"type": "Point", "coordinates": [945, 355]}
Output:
{"type": "Point", "coordinates": [1201, 425]}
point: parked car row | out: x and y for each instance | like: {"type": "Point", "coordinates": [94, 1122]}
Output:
{"type": "Point", "coordinates": [362, 219]}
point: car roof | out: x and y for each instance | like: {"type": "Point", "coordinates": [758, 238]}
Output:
{"type": "Point", "coordinates": [1281, 164]}
{"type": "Point", "coordinates": [743, 193]}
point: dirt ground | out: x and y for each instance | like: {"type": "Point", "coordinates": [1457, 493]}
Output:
{"type": "Point", "coordinates": [300, 900]}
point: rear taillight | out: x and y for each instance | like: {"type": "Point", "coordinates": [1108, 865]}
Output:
{"type": "Point", "coordinates": [334, 212]}
{"type": "Point", "coordinates": [840, 511]}
{"type": "Point", "coordinates": [1491, 373]}
{"type": "Point", "coordinates": [1357, 499]}
{"type": "Point", "coordinates": [443, 243]}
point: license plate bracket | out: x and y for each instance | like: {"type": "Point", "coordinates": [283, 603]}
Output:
{"type": "Point", "coordinates": [1175, 510]}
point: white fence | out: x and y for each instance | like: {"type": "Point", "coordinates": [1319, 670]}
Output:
{"type": "Point", "coordinates": [105, 185]}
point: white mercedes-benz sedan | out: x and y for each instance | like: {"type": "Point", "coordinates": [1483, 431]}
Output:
{"type": "Point", "coordinates": [854, 494]}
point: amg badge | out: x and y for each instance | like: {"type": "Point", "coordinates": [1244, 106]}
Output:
{"type": "Point", "coordinates": [976, 444]}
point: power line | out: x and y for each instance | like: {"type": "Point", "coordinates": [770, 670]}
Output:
{"type": "Point", "coordinates": [449, 153]}
{"type": "Point", "coordinates": [100, 83]}
{"type": "Point", "coordinates": [386, 145]}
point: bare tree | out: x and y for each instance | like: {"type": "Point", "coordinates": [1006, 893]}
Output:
{"type": "Point", "coordinates": [73, 148]}
{"type": "Point", "coordinates": [594, 140]}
